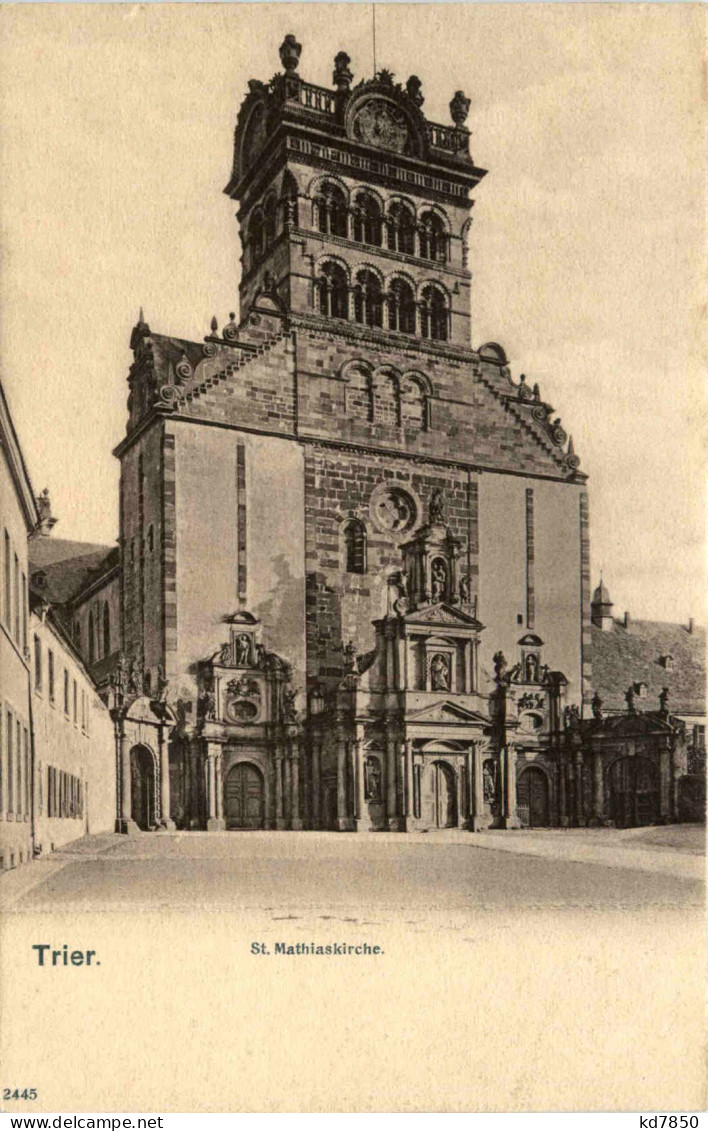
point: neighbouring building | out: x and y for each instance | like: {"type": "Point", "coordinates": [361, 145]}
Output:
{"type": "Point", "coordinates": [57, 748]}
{"type": "Point", "coordinates": [18, 518]}
{"type": "Point", "coordinates": [74, 746]}
{"type": "Point", "coordinates": [643, 749]}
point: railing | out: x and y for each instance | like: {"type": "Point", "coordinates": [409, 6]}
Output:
{"type": "Point", "coordinates": [317, 98]}
{"type": "Point", "coordinates": [447, 137]}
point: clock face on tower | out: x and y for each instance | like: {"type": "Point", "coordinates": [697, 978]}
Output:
{"type": "Point", "coordinates": [381, 124]}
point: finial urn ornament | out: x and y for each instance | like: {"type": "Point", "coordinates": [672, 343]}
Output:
{"type": "Point", "coordinates": [342, 76]}
{"type": "Point", "coordinates": [459, 108]}
{"type": "Point", "coordinates": [290, 51]}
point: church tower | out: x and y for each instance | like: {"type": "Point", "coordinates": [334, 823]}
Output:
{"type": "Point", "coordinates": [353, 207]}
{"type": "Point", "coordinates": [354, 548]}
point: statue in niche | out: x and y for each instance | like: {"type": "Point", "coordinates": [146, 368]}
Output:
{"type": "Point", "coordinates": [465, 589]}
{"type": "Point", "coordinates": [436, 509]}
{"type": "Point", "coordinates": [289, 709]}
{"type": "Point", "coordinates": [398, 593]}
{"type": "Point", "coordinates": [135, 682]}
{"type": "Point", "coordinates": [532, 668]}
{"type": "Point", "coordinates": [489, 783]}
{"type": "Point", "coordinates": [162, 685]}
{"type": "Point", "coordinates": [372, 779]}
{"type": "Point", "coordinates": [571, 717]}
{"type": "Point", "coordinates": [207, 703]}
{"type": "Point", "coordinates": [225, 654]}
{"type": "Point", "coordinates": [118, 678]}
{"type": "Point", "coordinates": [438, 580]}
{"type": "Point", "coordinates": [440, 673]}
{"type": "Point", "coordinates": [243, 649]}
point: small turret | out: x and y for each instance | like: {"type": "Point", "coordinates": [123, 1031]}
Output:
{"type": "Point", "coordinates": [601, 608]}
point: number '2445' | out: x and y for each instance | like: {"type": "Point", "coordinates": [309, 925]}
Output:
{"type": "Point", "coordinates": [19, 1093]}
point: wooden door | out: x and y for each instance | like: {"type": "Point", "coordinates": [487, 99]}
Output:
{"type": "Point", "coordinates": [445, 798]}
{"type": "Point", "coordinates": [532, 798]}
{"type": "Point", "coordinates": [244, 801]}
{"type": "Point", "coordinates": [634, 792]}
{"type": "Point", "coordinates": [142, 787]}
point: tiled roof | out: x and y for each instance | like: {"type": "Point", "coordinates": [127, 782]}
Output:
{"type": "Point", "coordinates": [632, 655]}
{"type": "Point", "coordinates": [66, 565]}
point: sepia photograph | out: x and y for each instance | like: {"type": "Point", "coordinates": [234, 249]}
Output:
{"type": "Point", "coordinates": [352, 606]}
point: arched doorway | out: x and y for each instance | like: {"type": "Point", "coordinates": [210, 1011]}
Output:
{"type": "Point", "coordinates": [634, 792]}
{"type": "Point", "coordinates": [244, 797]}
{"type": "Point", "coordinates": [532, 798]}
{"type": "Point", "coordinates": [444, 796]}
{"type": "Point", "coordinates": [142, 787]}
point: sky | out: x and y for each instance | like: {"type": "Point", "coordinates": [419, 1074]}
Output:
{"type": "Point", "coordinates": [116, 127]}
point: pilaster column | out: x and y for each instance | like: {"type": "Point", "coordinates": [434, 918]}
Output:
{"type": "Point", "coordinates": [598, 801]}
{"type": "Point", "coordinates": [214, 823]}
{"type": "Point", "coordinates": [579, 800]}
{"type": "Point", "coordinates": [295, 819]}
{"type": "Point", "coordinates": [219, 785]}
{"type": "Point", "coordinates": [345, 823]}
{"type": "Point", "coordinates": [165, 817]}
{"type": "Point", "coordinates": [279, 816]}
{"type": "Point", "coordinates": [509, 817]}
{"type": "Point", "coordinates": [287, 790]}
{"type": "Point", "coordinates": [562, 793]}
{"type": "Point", "coordinates": [409, 780]}
{"type": "Point", "coordinates": [665, 784]}
{"type": "Point", "coordinates": [396, 822]}
{"type": "Point", "coordinates": [401, 679]}
{"type": "Point", "coordinates": [475, 758]}
{"type": "Point", "coordinates": [362, 814]}
{"type": "Point", "coordinates": [468, 667]}
{"type": "Point", "coordinates": [316, 782]}
{"type": "Point", "coordinates": [125, 822]}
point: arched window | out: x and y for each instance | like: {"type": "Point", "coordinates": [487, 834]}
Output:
{"type": "Point", "coordinates": [288, 199]}
{"type": "Point", "coordinates": [256, 240]}
{"type": "Point", "coordinates": [106, 630]}
{"type": "Point", "coordinates": [401, 307]}
{"type": "Point", "coordinates": [91, 639]}
{"type": "Point", "coordinates": [433, 239]}
{"type": "Point", "coordinates": [355, 543]}
{"type": "Point", "coordinates": [387, 400]}
{"type": "Point", "coordinates": [413, 405]}
{"type": "Point", "coordinates": [269, 221]}
{"type": "Point", "coordinates": [332, 291]}
{"type": "Point", "coordinates": [400, 224]}
{"type": "Point", "coordinates": [359, 394]}
{"type": "Point", "coordinates": [368, 299]}
{"type": "Point", "coordinates": [367, 220]}
{"type": "Point", "coordinates": [331, 208]}
{"type": "Point", "coordinates": [433, 314]}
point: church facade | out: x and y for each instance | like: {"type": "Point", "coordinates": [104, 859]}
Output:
{"type": "Point", "coordinates": [354, 577]}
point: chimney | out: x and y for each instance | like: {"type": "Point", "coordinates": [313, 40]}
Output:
{"type": "Point", "coordinates": [626, 619]}
{"type": "Point", "coordinates": [690, 626]}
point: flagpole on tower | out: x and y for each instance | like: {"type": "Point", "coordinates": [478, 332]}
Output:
{"type": "Point", "coordinates": [373, 26]}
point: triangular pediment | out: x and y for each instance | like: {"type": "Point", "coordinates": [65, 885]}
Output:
{"type": "Point", "coordinates": [442, 613]}
{"type": "Point", "coordinates": [447, 712]}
